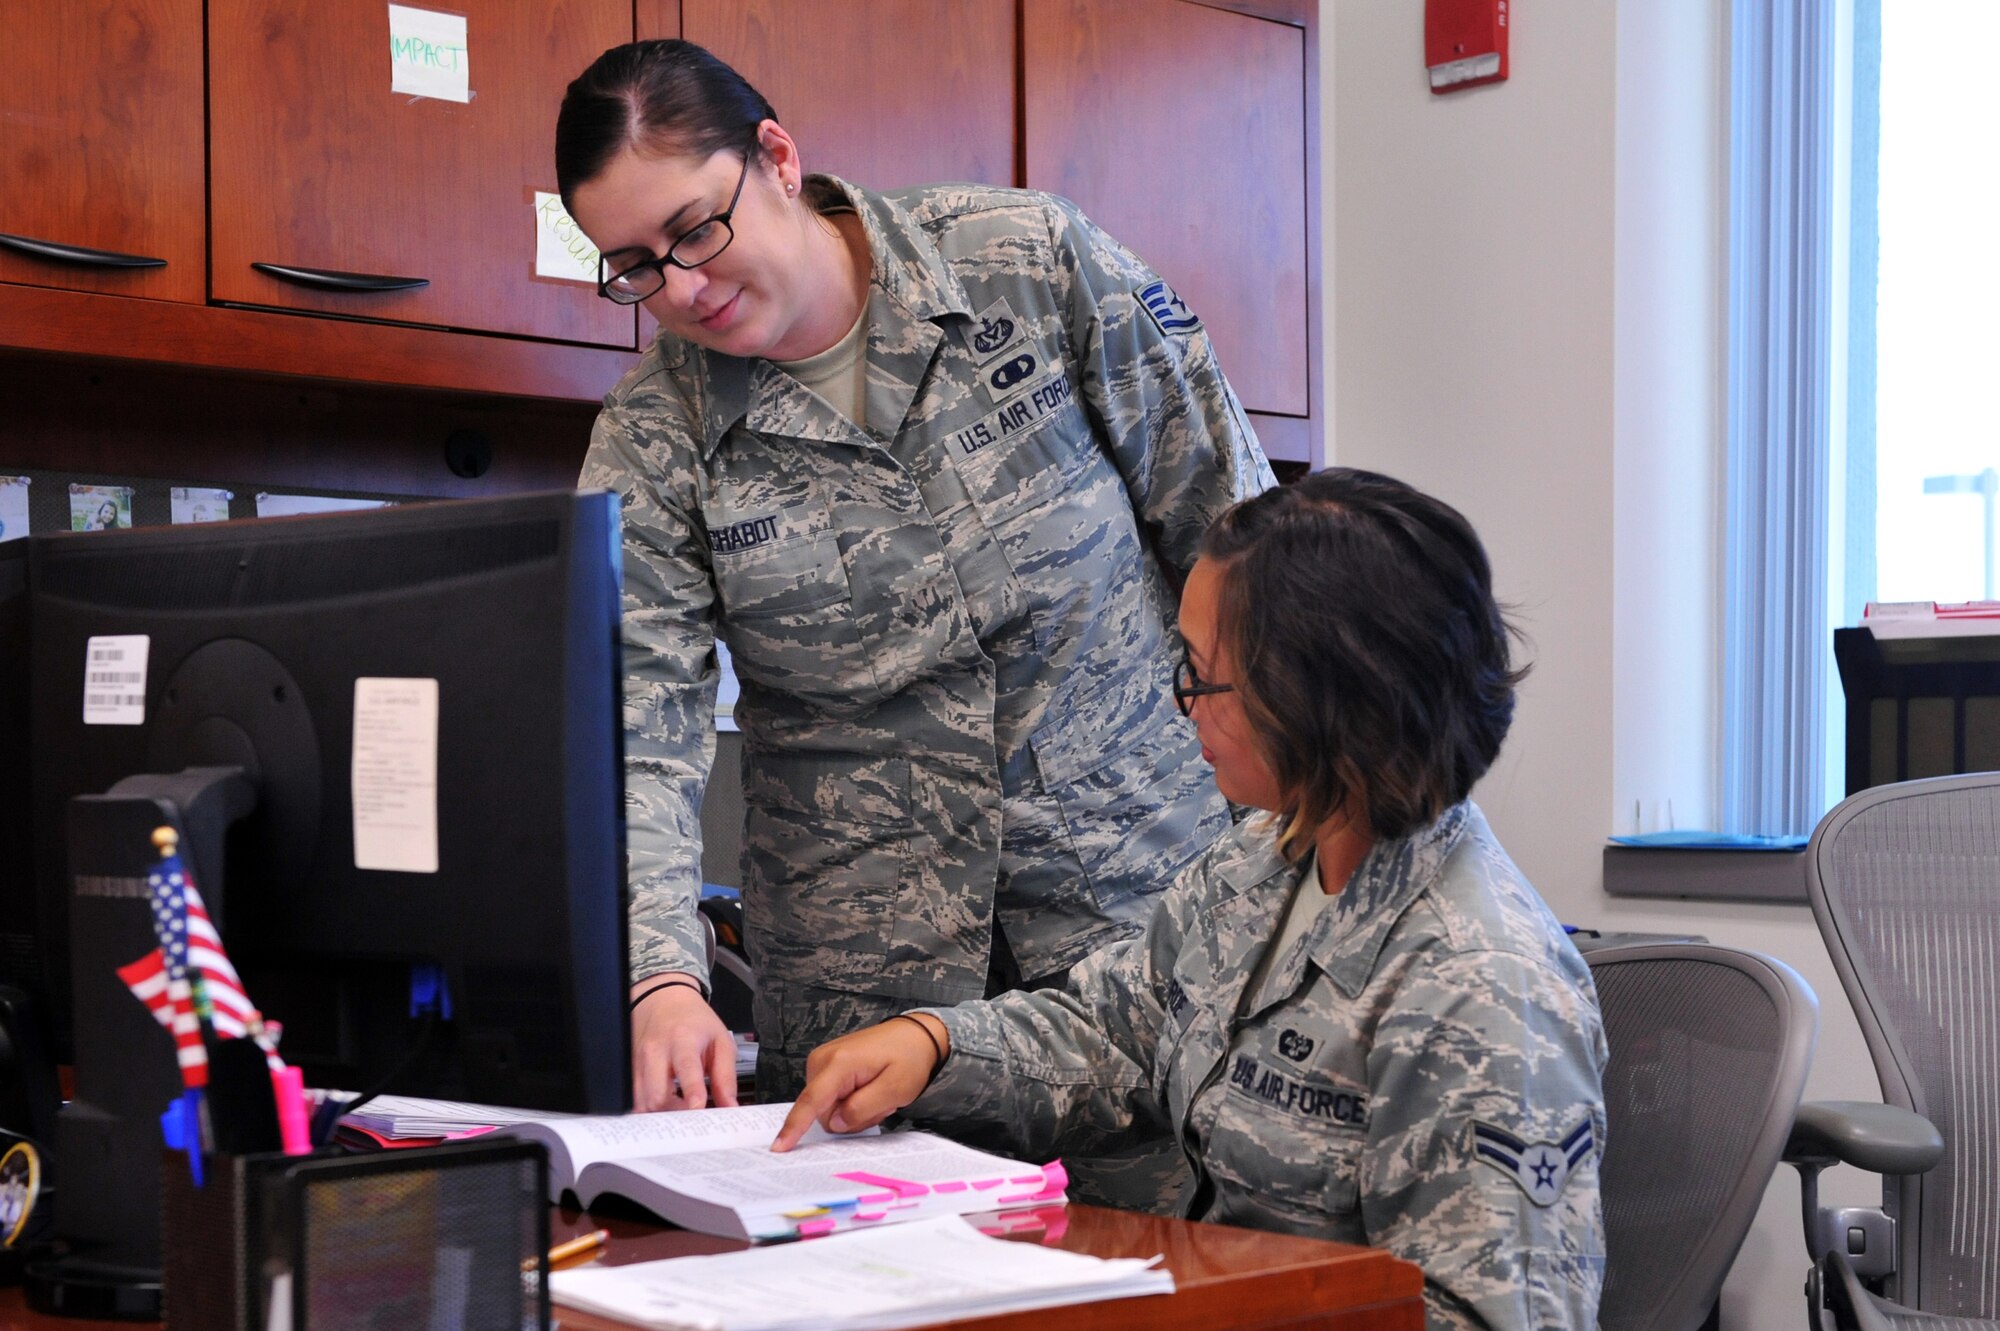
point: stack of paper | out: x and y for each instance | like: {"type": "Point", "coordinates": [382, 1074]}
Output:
{"type": "Point", "coordinates": [397, 1116]}
{"type": "Point", "coordinates": [1931, 619]}
{"type": "Point", "coordinates": [922, 1272]}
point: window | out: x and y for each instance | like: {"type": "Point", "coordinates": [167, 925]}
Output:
{"type": "Point", "coordinates": [1933, 443]}
{"type": "Point", "coordinates": [1864, 351]}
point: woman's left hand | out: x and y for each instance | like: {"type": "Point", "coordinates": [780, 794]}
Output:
{"type": "Point", "coordinates": [858, 1080]}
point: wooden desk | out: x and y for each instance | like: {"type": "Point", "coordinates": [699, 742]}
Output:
{"type": "Point", "coordinates": [1224, 1277]}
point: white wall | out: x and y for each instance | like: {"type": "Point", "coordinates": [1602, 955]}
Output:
{"type": "Point", "coordinates": [1524, 300]}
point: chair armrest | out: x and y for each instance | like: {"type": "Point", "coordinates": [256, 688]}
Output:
{"type": "Point", "coordinates": [1881, 1139]}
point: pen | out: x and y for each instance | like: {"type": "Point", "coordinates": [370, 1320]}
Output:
{"type": "Point", "coordinates": [569, 1248]}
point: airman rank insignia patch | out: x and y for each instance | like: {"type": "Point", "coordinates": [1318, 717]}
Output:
{"type": "Point", "coordinates": [1169, 311]}
{"type": "Point", "coordinates": [1541, 1169]}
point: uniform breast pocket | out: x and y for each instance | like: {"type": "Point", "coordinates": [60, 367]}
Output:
{"type": "Point", "coordinates": [788, 617]}
{"type": "Point", "coordinates": [1292, 1141]}
{"type": "Point", "coordinates": [1018, 475]}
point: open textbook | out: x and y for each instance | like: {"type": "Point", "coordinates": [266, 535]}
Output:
{"type": "Point", "coordinates": [713, 1170]}
{"type": "Point", "coordinates": [923, 1272]}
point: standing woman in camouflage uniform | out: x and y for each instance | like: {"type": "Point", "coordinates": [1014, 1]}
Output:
{"type": "Point", "coordinates": [933, 465]}
{"type": "Point", "coordinates": [1358, 1018]}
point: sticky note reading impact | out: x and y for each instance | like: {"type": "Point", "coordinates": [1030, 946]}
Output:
{"type": "Point", "coordinates": [561, 248]}
{"type": "Point", "coordinates": [427, 54]}
{"type": "Point", "coordinates": [395, 774]}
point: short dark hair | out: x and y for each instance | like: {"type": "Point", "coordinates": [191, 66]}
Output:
{"type": "Point", "coordinates": [1373, 661]}
{"type": "Point", "coordinates": [664, 97]}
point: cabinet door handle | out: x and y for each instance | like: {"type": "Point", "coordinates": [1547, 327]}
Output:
{"type": "Point", "coordinates": [49, 249]}
{"type": "Point", "coordinates": [326, 279]}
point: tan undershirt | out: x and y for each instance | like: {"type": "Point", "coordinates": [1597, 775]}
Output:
{"type": "Point", "coordinates": [1308, 900]}
{"type": "Point", "coordinates": [840, 373]}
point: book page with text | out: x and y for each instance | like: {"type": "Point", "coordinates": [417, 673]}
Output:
{"type": "Point", "coordinates": [670, 1133]}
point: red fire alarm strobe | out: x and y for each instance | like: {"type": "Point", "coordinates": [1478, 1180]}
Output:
{"type": "Point", "coordinates": [1465, 43]}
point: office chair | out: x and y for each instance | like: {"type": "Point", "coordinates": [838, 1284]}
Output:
{"type": "Point", "coordinates": [1709, 1051]}
{"type": "Point", "coordinates": [1905, 886]}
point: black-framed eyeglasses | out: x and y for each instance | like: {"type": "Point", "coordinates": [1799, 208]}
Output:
{"type": "Point", "coordinates": [1188, 685]}
{"type": "Point", "coordinates": [631, 285]}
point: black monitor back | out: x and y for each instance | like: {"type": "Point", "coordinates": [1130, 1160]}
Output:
{"type": "Point", "coordinates": [256, 634]}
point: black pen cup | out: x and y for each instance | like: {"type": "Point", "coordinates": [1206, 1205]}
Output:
{"type": "Point", "coordinates": [453, 1235]}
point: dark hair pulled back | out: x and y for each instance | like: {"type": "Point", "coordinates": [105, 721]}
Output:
{"type": "Point", "coordinates": [1372, 660]}
{"type": "Point", "coordinates": [664, 98]}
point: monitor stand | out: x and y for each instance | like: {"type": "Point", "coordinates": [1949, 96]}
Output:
{"type": "Point", "coordinates": [105, 1258]}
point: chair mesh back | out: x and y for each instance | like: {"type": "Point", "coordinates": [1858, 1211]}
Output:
{"type": "Point", "coordinates": [1695, 1052]}
{"type": "Point", "coordinates": [1914, 883]}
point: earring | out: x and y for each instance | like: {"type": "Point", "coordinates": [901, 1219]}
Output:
{"type": "Point", "coordinates": [791, 189]}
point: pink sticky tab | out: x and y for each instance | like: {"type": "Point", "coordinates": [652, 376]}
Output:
{"type": "Point", "coordinates": [870, 1215]}
{"type": "Point", "coordinates": [949, 1187]}
{"type": "Point", "coordinates": [902, 1187]}
{"type": "Point", "coordinates": [1035, 1179]}
{"type": "Point", "coordinates": [984, 1183]}
{"type": "Point", "coordinates": [1054, 1179]}
{"type": "Point", "coordinates": [812, 1229]}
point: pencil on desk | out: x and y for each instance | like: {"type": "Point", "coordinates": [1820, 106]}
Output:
{"type": "Point", "coordinates": [569, 1248]}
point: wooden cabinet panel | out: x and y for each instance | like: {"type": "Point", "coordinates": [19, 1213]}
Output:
{"type": "Point", "coordinates": [316, 163]}
{"type": "Point", "coordinates": [101, 142]}
{"type": "Point", "coordinates": [884, 93]}
{"type": "Point", "coordinates": [655, 18]}
{"type": "Point", "coordinates": [1180, 128]}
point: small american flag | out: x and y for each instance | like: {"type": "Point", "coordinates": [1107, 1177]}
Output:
{"type": "Point", "coordinates": [173, 1007]}
{"type": "Point", "coordinates": [187, 981]}
{"type": "Point", "coordinates": [193, 949]}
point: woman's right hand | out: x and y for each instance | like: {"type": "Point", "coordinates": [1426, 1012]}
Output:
{"type": "Point", "coordinates": [683, 1057]}
{"type": "Point", "coordinates": [858, 1080]}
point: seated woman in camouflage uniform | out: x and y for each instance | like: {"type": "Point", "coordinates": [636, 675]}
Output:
{"type": "Point", "coordinates": [1355, 1015]}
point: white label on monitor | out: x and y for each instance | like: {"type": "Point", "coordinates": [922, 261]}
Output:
{"type": "Point", "coordinates": [395, 775]}
{"type": "Point", "coordinates": [114, 680]}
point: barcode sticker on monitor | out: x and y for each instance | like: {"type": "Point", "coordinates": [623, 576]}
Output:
{"type": "Point", "coordinates": [395, 775]}
{"type": "Point", "coordinates": [114, 680]}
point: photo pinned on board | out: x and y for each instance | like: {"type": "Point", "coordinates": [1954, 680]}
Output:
{"type": "Point", "coordinates": [99, 507]}
{"type": "Point", "coordinates": [13, 507]}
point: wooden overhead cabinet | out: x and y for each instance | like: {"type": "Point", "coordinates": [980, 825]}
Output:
{"type": "Point", "coordinates": [1180, 127]}
{"type": "Point", "coordinates": [345, 225]}
{"type": "Point", "coordinates": [101, 147]}
{"type": "Point", "coordinates": [885, 94]}
{"type": "Point", "coordinates": [337, 191]}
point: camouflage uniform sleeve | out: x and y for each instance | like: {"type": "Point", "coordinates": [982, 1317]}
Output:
{"type": "Point", "coordinates": [1503, 1043]}
{"type": "Point", "coordinates": [1172, 423]}
{"type": "Point", "coordinates": [1070, 1070]}
{"type": "Point", "coordinates": [669, 692]}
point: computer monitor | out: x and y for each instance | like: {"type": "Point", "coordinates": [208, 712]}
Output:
{"type": "Point", "coordinates": [392, 740]}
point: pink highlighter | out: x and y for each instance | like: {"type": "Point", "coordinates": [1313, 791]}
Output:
{"type": "Point", "coordinates": [288, 1088]}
